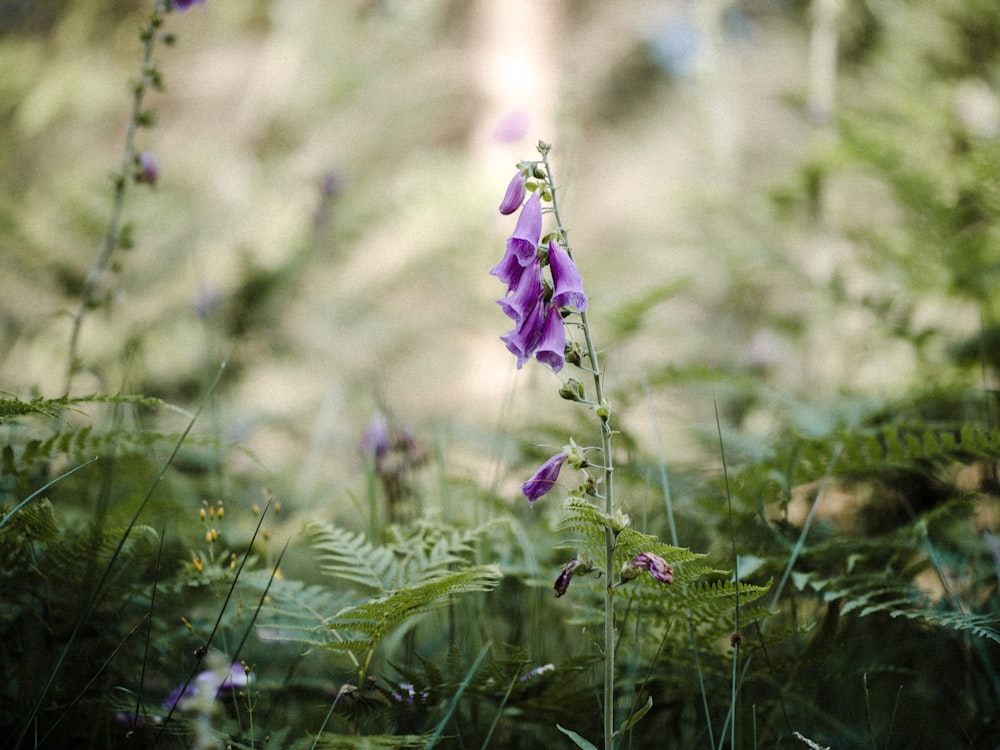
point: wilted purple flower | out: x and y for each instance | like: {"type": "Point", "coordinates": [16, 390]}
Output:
{"type": "Point", "coordinates": [522, 342]}
{"type": "Point", "coordinates": [183, 5]}
{"type": "Point", "coordinates": [551, 349]}
{"type": "Point", "coordinates": [655, 564]}
{"type": "Point", "coordinates": [514, 196]}
{"type": "Point", "coordinates": [562, 581]}
{"type": "Point", "coordinates": [526, 294]}
{"type": "Point", "coordinates": [524, 242]}
{"type": "Point", "coordinates": [544, 479]}
{"type": "Point", "coordinates": [148, 168]}
{"type": "Point", "coordinates": [566, 279]}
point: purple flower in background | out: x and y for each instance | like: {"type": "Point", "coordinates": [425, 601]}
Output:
{"type": "Point", "coordinates": [207, 683]}
{"type": "Point", "coordinates": [526, 294]}
{"type": "Point", "coordinates": [375, 441]}
{"type": "Point", "coordinates": [566, 279]}
{"type": "Point", "coordinates": [655, 564]}
{"type": "Point", "coordinates": [512, 127]}
{"type": "Point", "coordinates": [524, 242]}
{"type": "Point", "coordinates": [183, 5]}
{"type": "Point", "coordinates": [148, 168]}
{"type": "Point", "coordinates": [514, 196]}
{"type": "Point", "coordinates": [551, 349]}
{"type": "Point", "coordinates": [544, 479]}
{"type": "Point", "coordinates": [562, 581]}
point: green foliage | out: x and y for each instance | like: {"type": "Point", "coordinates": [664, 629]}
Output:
{"type": "Point", "coordinates": [373, 620]}
{"type": "Point", "coordinates": [412, 574]}
{"type": "Point", "coordinates": [698, 593]}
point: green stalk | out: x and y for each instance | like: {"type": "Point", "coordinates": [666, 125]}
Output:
{"type": "Point", "coordinates": [113, 235]}
{"type": "Point", "coordinates": [603, 414]}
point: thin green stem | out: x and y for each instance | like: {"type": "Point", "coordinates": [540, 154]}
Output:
{"type": "Point", "coordinates": [113, 234]}
{"type": "Point", "coordinates": [603, 413]}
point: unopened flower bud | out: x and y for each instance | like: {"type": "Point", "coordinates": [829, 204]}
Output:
{"type": "Point", "coordinates": [572, 390]}
{"type": "Point", "coordinates": [514, 196]}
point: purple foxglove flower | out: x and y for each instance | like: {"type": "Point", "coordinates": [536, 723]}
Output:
{"type": "Point", "coordinates": [526, 294]}
{"type": "Point", "coordinates": [551, 348]}
{"type": "Point", "coordinates": [524, 242]}
{"type": "Point", "coordinates": [508, 270]}
{"type": "Point", "coordinates": [183, 5]}
{"type": "Point", "coordinates": [544, 479]}
{"type": "Point", "coordinates": [566, 279]}
{"type": "Point", "coordinates": [514, 196]}
{"type": "Point", "coordinates": [523, 340]}
{"type": "Point", "coordinates": [562, 582]}
{"type": "Point", "coordinates": [655, 564]}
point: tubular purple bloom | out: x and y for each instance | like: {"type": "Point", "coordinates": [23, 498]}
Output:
{"type": "Point", "coordinates": [566, 279]}
{"type": "Point", "coordinates": [544, 479]}
{"type": "Point", "coordinates": [183, 5]}
{"type": "Point", "coordinates": [551, 349]}
{"type": "Point", "coordinates": [514, 196]}
{"type": "Point", "coordinates": [562, 582]}
{"type": "Point", "coordinates": [655, 564]}
{"type": "Point", "coordinates": [508, 270]}
{"type": "Point", "coordinates": [526, 294]}
{"type": "Point", "coordinates": [523, 340]}
{"type": "Point", "coordinates": [524, 242]}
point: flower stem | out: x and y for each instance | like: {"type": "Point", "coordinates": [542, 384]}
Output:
{"type": "Point", "coordinates": [113, 234]}
{"type": "Point", "coordinates": [603, 414]}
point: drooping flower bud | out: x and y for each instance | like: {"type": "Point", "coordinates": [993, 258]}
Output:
{"type": "Point", "coordinates": [514, 196]}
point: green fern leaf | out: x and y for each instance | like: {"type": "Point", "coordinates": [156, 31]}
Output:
{"type": "Point", "coordinates": [372, 620]}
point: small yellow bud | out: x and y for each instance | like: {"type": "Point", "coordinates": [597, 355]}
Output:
{"type": "Point", "coordinates": [197, 564]}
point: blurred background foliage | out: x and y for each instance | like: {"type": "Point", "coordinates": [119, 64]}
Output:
{"type": "Point", "coordinates": [784, 211]}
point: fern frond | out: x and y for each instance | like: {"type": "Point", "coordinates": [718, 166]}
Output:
{"type": "Point", "coordinates": [372, 620]}
{"type": "Point", "coordinates": [349, 556]}
{"type": "Point", "coordinates": [13, 407]}
{"type": "Point", "coordinates": [294, 610]}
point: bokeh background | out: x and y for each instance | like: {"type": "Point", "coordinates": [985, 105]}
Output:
{"type": "Point", "coordinates": [325, 216]}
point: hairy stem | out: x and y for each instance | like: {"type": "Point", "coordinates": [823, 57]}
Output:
{"type": "Point", "coordinates": [603, 413]}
